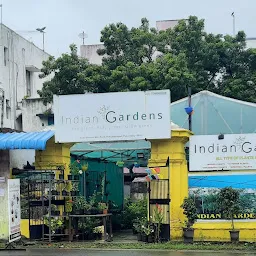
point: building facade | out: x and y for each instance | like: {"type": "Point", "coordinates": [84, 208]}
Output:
{"type": "Point", "coordinates": [20, 64]}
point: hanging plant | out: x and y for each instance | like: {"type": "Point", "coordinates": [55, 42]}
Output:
{"type": "Point", "coordinates": [85, 167]}
{"type": "Point", "coordinates": [120, 163]}
{"type": "Point", "coordinates": [136, 165]}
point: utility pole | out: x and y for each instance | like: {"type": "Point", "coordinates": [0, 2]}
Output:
{"type": "Point", "coordinates": [189, 104]}
{"type": "Point", "coordinates": [234, 23]}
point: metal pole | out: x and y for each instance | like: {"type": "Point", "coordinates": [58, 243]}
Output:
{"type": "Point", "coordinates": [189, 104]}
{"type": "Point", "coordinates": [234, 24]}
{"type": "Point", "coordinates": [43, 40]}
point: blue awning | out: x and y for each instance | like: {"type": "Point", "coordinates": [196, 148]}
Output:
{"type": "Point", "coordinates": [25, 140]}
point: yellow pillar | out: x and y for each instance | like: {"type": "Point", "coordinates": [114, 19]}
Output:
{"type": "Point", "coordinates": [174, 149]}
{"type": "Point", "coordinates": [55, 155]}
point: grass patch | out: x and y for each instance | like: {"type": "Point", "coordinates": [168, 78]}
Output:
{"type": "Point", "coordinates": [162, 246]}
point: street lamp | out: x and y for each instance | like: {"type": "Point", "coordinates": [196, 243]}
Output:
{"type": "Point", "coordinates": [41, 30]}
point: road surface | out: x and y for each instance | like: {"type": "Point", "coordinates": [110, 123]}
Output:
{"type": "Point", "coordinates": [84, 252]}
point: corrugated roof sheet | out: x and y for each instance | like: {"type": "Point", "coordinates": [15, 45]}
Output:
{"type": "Point", "coordinates": [22, 140]}
{"type": "Point", "coordinates": [215, 114]}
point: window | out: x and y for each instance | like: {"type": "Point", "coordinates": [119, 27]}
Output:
{"type": "Point", "coordinates": [8, 109]}
{"type": "Point", "coordinates": [50, 120]}
{"type": "Point", "coordinates": [5, 55]}
{"type": "Point", "coordinates": [28, 82]}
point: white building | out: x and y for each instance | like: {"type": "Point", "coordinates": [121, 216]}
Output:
{"type": "Point", "coordinates": [20, 64]}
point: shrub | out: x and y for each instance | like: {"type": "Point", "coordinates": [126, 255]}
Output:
{"type": "Point", "coordinates": [132, 211]}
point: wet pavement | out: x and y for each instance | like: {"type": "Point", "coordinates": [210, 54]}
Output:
{"type": "Point", "coordinates": [84, 252]}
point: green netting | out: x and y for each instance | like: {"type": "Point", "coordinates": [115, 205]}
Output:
{"type": "Point", "coordinates": [114, 152]}
{"type": "Point", "coordinates": [104, 178]}
{"type": "Point", "coordinates": [215, 114]}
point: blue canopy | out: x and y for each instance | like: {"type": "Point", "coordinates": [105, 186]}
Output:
{"type": "Point", "coordinates": [22, 140]}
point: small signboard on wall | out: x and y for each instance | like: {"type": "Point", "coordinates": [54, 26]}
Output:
{"type": "Point", "coordinates": [14, 209]}
{"type": "Point", "coordinates": [226, 152]}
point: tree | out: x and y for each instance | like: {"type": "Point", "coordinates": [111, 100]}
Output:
{"type": "Point", "coordinates": [122, 45]}
{"type": "Point", "coordinates": [144, 59]}
{"type": "Point", "coordinates": [72, 75]}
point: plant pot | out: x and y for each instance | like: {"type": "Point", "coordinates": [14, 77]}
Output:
{"type": "Point", "coordinates": [54, 192]}
{"type": "Point", "coordinates": [234, 235]}
{"type": "Point", "coordinates": [76, 177]}
{"type": "Point", "coordinates": [61, 176]}
{"type": "Point", "coordinates": [74, 193]}
{"type": "Point", "coordinates": [144, 238]}
{"type": "Point", "coordinates": [105, 211]}
{"type": "Point", "coordinates": [139, 237]}
{"type": "Point", "coordinates": [79, 212]}
{"type": "Point", "coordinates": [65, 193]}
{"type": "Point", "coordinates": [188, 234]}
{"type": "Point", "coordinates": [150, 239]}
{"type": "Point", "coordinates": [70, 177]}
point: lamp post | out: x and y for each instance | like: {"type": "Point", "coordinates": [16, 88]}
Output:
{"type": "Point", "coordinates": [41, 30]}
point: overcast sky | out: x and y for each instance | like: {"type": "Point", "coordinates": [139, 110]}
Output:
{"type": "Point", "coordinates": [65, 19]}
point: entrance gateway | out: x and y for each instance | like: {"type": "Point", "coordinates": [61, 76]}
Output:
{"type": "Point", "coordinates": [120, 117]}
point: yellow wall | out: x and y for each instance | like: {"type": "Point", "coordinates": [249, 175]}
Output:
{"type": "Point", "coordinates": [173, 148]}
{"type": "Point", "coordinates": [24, 227]}
{"type": "Point", "coordinates": [215, 230]}
{"type": "Point", "coordinates": [219, 230]}
{"type": "Point", "coordinates": [53, 156]}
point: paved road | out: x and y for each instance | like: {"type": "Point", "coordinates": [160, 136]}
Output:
{"type": "Point", "coordinates": [84, 252]}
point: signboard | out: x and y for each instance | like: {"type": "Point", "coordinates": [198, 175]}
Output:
{"type": "Point", "coordinates": [121, 116]}
{"type": "Point", "coordinates": [204, 188]}
{"type": "Point", "coordinates": [234, 152]}
{"type": "Point", "coordinates": [14, 209]}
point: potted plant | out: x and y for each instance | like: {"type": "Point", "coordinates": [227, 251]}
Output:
{"type": "Point", "coordinates": [158, 220]}
{"type": "Point", "coordinates": [103, 208]}
{"type": "Point", "coordinates": [54, 210]}
{"type": "Point", "coordinates": [190, 211]}
{"type": "Point", "coordinates": [61, 175]}
{"type": "Point", "coordinates": [55, 224]}
{"type": "Point", "coordinates": [138, 226]}
{"type": "Point", "coordinates": [147, 234]}
{"type": "Point", "coordinates": [74, 190]}
{"type": "Point", "coordinates": [228, 200]}
{"type": "Point", "coordinates": [120, 164]}
{"type": "Point", "coordinates": [79, 205]}
{"type": "Point", "coordinates": [98, 232]}
{"type": "Point", "coordinates": [74, 171]}
{"type": "Point", "coordinates": [85, 167]}
{"type": "Point", "coordinates": [66, 189]}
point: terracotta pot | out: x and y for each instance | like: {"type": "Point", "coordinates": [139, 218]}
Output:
{"type": "Point", "coordinates": [105, 211]}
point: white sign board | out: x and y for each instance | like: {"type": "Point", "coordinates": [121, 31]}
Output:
{"type": "Point", "coordinates": [234, 152]}
{"type": "Point", "coordinates": [14, 209]}
{"type": "Point", "coordinates": [121, 116]}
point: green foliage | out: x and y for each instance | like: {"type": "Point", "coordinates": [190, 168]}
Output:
{"type": "Point", "coordinates": [74, 168]}
{"type": "Point", "coordinates": [189, 209]}
{"type": "Point", "coordinates": [72, 75]}
{"type": "Point", "coordinates": [54, 223]}
{"type": "Point", "coordinates": [132, 211]}
{"type": "Point", "coordinates": [144, 59]}
{"type": "Point", "coordinates": [229, 203]}
{"type": "Point", "coordinates": [80, 203]}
